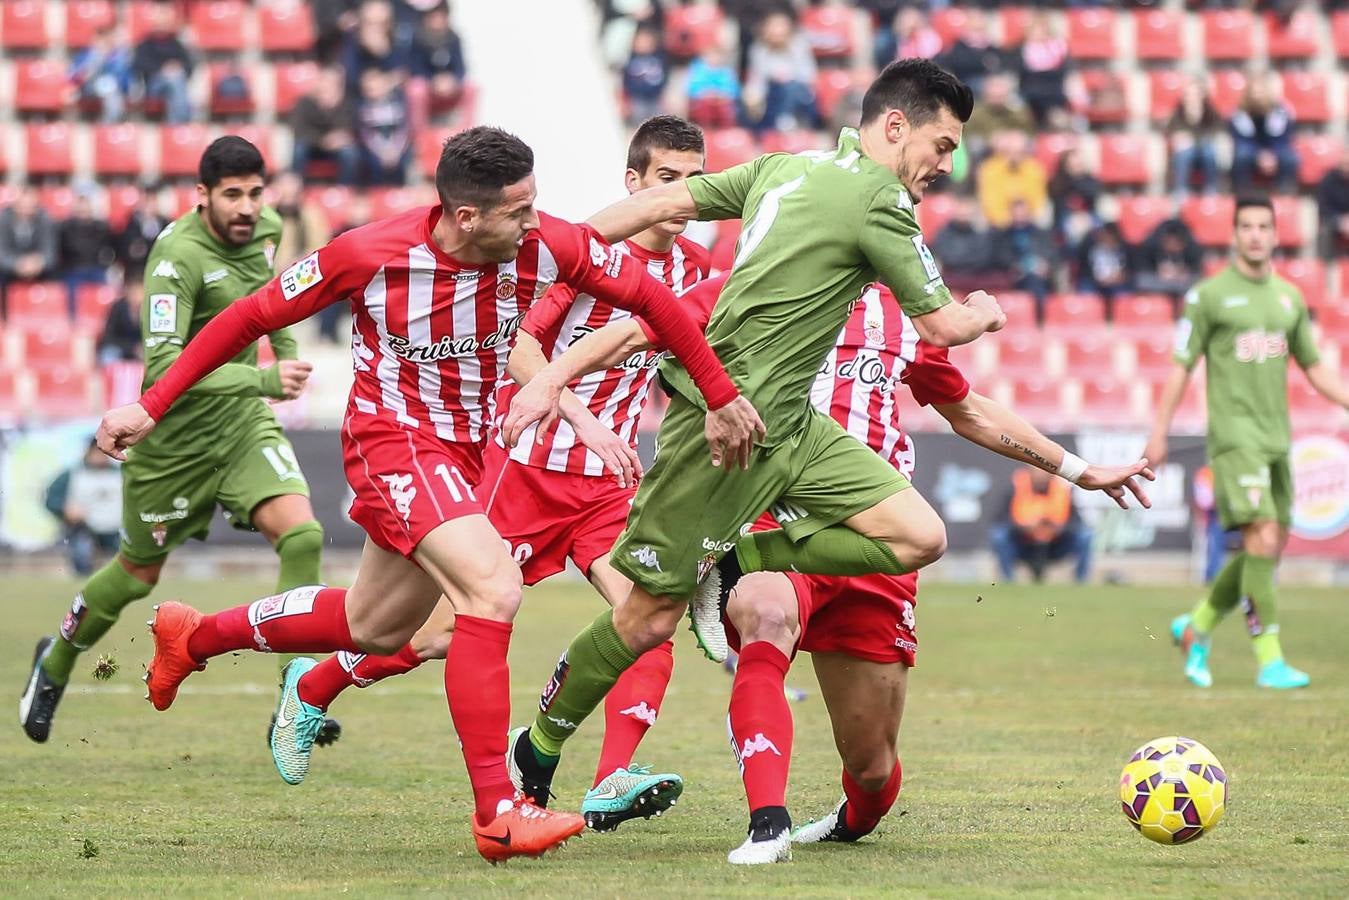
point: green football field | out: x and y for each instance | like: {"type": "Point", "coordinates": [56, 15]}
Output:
{"type": "Point", "coordinates": [1025, 705]}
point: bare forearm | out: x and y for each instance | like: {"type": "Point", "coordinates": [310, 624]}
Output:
{"type": "Point", "coordinates": [954, 324]}
{"type": "Point", "coordinates": [1328, 384]}
{"type": "Point", "coordinates": [995, 427]}
{"type": "Point", "coordinates": [643, 209]}
{"type": "Point", "coordinates": [1172, 391]}
{"type": "Point", "coordinates": [602, 349]}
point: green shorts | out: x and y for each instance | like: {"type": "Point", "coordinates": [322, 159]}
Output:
{"type": "Point", "coordinates": [1252, 486]}
{"type": "Point", "coordinates": [687, 513]}
{"type": "Point", "coordinates": [168, 499]}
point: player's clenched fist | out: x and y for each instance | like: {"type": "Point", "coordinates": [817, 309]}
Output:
{"type": "Point", "coordinates": [123, 427]}
{"type": "Point", "coordinates": [294, 375]}
{"type": "Point", "coordinates": [732, 432]}
{"type": "Point", "coordinates": [987, 304]}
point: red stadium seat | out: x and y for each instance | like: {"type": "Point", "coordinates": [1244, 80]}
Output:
{"type": "Point", "coordinates": [1039, 400]}
{"type": "Point", "coordinates": [218, 25]}
{"type": "Point", "coordinates": [85, 18]}
{"type": "Point", "coordinates": [391, 201]}
{"type": "Point", "coordinates": [142, 13]}
{"type": "Point", "coordinates": [1209, 219]}
{"type": "Point", "coordinates": [829, 30]}
{"type": "Point", "coordinates": [37, 305]}
{"type": "Point", "coordinates": [1089, 354]}
{"type": "Point", "coordinates": [223, 106]}
{"type": "Point", "coordinates": [934, 212]}
{"type": "Point", "coordinates": [117, 150]}
{"type": "Point", "coordinates": [1159, 34]}
{"type": "Point", "coordinates": [1049, 147]}
{"type": "Point", "coordinates": [122, 200]}
{"type": "Point", "coordinates": [185, 199]}
{"type": "Point", "coordinates": [1334, 320]}
{"type": "Point", "coordinates": [1306, 407]}
{"type": "Point", "coordinates": [429, 144]}
{"type": "Point", "coordinates": [729, 147]}
{"type": "Point", "coordinates": [1339, 33]}
{"type": "Point", "coordinates": [259, 136]}
{"type": "Point", "coordinates": [1022, 355]}
{"type": "Point", "coordinates": [1139, 215]}
{"type": "Point", "coordinates": [1142, 314]}
{"type": "Point", "coordinates": [1019, 308]}
{"type": "Point", "coordinates": [4, 164]}
{"type": "Point", "coordinates": [180, 149]}
{"type": "Point", "coordinates": [1107, 401]}
{"type": "Point", "coordinates": [24, 25]}
{"type": "Point", "coordinates": [723, 251]}
{"type": "Point", "coordinates": [1091, 34]}
{"type": "Point", "coordinates": [1165, 87]}
{"type": "Point", "coordinates": [1317, 154]}
{"type": "Point", "coordinates": [57, 199]}
{"type": "Point", "coordinates": [1014, 22]}
{"type": "Point", "coordinates": [10, 406]}
{"type": "Point", "coordinates": [1308, 275]}
{"type": "Point", "coordinates": [47, 347]}
{"type": "Point", "coordinates": [689, 30]}
{"type": "Point", "coordinates": [791, 141]}
{"type": "Point", "coordinates": [40, 86]}
{"type": "Point", "coordinates": [334, 201]}
{"type": "Point", "coordinates": [286, 27]}
{"type": "Point", "coordinates": [950, 23]}
{"type": "Point", "coordinates": [62, 392]}
{"type": "Point", "coordinates": [830, 86]}
{"type": "Point", "coordinates": [1225, 89]}
{"type": "Point", "coordinates": [293, 81]}
{"type": "Point", "coordinates": [1296, 38]}
{"type": "Point", "coordinates": [1074, 311]}
{"type": "Point", "coordinates": [1288, 222]}
{"type": "Point", "coordinates": [1308, 96]}
{"type": "Point", "coordinates": [49, 149]}
{"type": "Point", "coordinates": [1229, 35]}
{"type": "Point", "coordinates": [1107, 97]}
{"type": "Point", "coordinates": [1124, 160]}
{"type": "Point", "coordinates": [1153, 354]}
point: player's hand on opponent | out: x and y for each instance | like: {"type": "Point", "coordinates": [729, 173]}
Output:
{"type": "Point", "coordinates": [294, 375]}
{"type": "Point", "coordinates": [1115, 480]}
{"type": "Point", "coordinates": [732, 432]}
{"type": "Point", "coordinates": [619, 458]}
{"type": "Point", "coordinates": [986, 303]}
{"type": "Point", "coordinates": [535, 402]}
{"type": "Point", "coordinates": [123, 427]}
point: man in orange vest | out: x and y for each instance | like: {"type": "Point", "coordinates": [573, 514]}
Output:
{"type": "Point", "coordinates": [1040, 526]}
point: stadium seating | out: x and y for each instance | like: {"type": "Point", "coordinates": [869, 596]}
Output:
{"type": "Point", "coordinates": [1165, 87]}
{"type": "Point", "coordinates": [729, 147]}
{"type": "Point", "coordinates": [1209, 219]}
{"type": "Point", "coordinates": [1288, 222]}
{"type": "Point", "coordinates": [36, 305]}
{"type": "Point", "coordinates": [23, 25]}
{"type": "Point", "coordinates": [1308, 96]}
{"type": "Point", "coordinates": [121, 200]}
{"type": "Point", "coordinates": [218, 25]}
{"type": "Point", "coordinates": [57, 199]}
{"type": "Point", "coordinates": [63, 393]}
{"type": "Point", "coordinates": [117, 150]}
{"type": "Point", "coordinates": [1339, 32]}
{"type": "Point", "coordinates": [85, 18]}
{"type": "Point", "coordinates": [1225, 89]}
{"type": "Point", "coordinates": [829, 30]}
{"type": "Point", "coordinates": [40, 86]}
{"type": "Point", "coordinates": [286, 27]}
{"type": "Point", "coordinates": [91, 306]}
{"type": "Point", "coordinates": [1021, 355]}
{"type": "Point", "coordinates": [1159, 35]}
{"type": "Point", "coordinates": [1071, 312]}
{"type": "Point", "coordinates": [1317, 155]}
{"type": "Point", "coordinates": [1089, 354]}
{"type": "Point", "coordinates": [49, 146]}
{"type": "Point", "coordinates": [1019, 307]}
{"type": "Point", "coordinates": [1333, 319]}
{"type": "Point", "coordinates": [1309, 275]}
{"type": "Point", "coordinates": [949, 23]}
{"type": "Point", "coordinates": [1142, 314]}
{"type": "Point", "coordinates": [934, 212]}
{"type": "Point", "coordinates": [180, 149]}
{"type": "Point", "coordinates": [1040, 400]}
{"type": "Point", "coordinates": [1294, 39]}
{"type": "Point", "coordinates": [1091, 34]}
{"type": "Point", "coordinates": [292, 81]}
{"type": "Point", "coordinates": [1153, 355]}
{"type": "Point", "coordinates": [1229, 35]}
{"type": "Point", "coordinates": [1107, 402]}
{"type": "Point", "coordinates": [689, 30]}
{"type": "Point", "coordinates": [140, 16]}
{"type": "Point", "coordinates": [227, 106]}
{"type": "Point", "coordinates": [47, 347]}
{"type": "Point", "coordinates": [1014, 20]}
{"type": "Point", "coordinates": [1125, 160]}
{"type": "Point", "coordinates": [1140, 215]}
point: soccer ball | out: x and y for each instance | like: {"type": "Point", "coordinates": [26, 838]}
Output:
{"type": "Point", "coordinates": [1173, 790]}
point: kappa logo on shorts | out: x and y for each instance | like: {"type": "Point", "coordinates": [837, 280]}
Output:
{"type": "Point", "coordinates": [401, 493]}
{"type": "Point", "coordinates": [646, 557]}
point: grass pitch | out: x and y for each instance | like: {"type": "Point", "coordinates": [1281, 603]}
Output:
{"type": "Point", "coordinates": [1025, 705]}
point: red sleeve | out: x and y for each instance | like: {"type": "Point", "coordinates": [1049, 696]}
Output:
{"type": "Point", "coordinates": [589, 265]}
{"type": "Point", "coordinates": [696, 255]}
{"type": "Point", "coordinates": [544, 318]}
{"type": "Point", "coordinates": [698, 301]}
{"type": "Point", "coordinates": [320, 279]}
{"type": "Point", "coordinates": [933, 378]}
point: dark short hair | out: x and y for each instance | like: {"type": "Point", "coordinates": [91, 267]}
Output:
{"type": "Point", "coordinates": [476, 164]}
{"type": "Point", "coordinates": [229, 156]}
{"type": "Point", "coordinates": [662, 133]}
{"type": "Point", "coordinates": [918, 88]}
{"type": "Point", "coordinates": [1252, 201]}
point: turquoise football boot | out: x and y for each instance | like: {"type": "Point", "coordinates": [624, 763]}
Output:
{"type": "Point", "coordinates": [630, 793]}
{"type": "Point", "coordinates": [297, 725]}
{"type": "Point", "coordinates": [1280, 676]}
{"type": "Point", "coordinates": [1195, 647]}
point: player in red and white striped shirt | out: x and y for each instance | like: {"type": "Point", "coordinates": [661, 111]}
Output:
{"type": "Point", "coordinates": [437, 295]}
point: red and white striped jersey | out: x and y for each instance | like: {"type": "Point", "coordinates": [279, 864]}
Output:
{"type": "Point", "coordinates": [431, 335]}
{"type": "Point", "coordinates": [614, 396]}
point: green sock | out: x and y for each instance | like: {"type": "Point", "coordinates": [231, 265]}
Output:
{"type": "Point", "coordinates": [836, 550]}
{"type": "Point", "coordinates": [94, 611]}
{"type": "Point", "coordinates": [299, 551]}
{"type": "Point", "coordinates": [1222, 597]}
{"type": "Point", "coordinates": [1261, 607]}
{"type": "Point", "coordinates": [584, 675]}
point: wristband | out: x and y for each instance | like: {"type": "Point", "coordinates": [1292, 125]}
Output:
{"type": "Point", "coordinates": [1072, 467]}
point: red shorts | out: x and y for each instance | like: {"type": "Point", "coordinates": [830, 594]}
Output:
{"type": "Point", "coordinates": [547, 517]}
{"type": "Point", "coordinates": [407, 482]}
{"type": "Point", "coordinates": [864, 616]}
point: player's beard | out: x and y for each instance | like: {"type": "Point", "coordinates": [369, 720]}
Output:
{"type": "Point", "coordinates": [221, 226]}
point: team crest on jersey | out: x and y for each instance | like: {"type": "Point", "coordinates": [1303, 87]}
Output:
{"type": "Point", "coordinates": [269, 253]}
{"type": "Point", "coordinates": [505, 286]}
{"type": "Point", "coordinates": [160, 532]}
{"type": "Point", "coordinates": [301, 276]}
{"type": "Point", "coordinates": [1287, 302]}
{"type": "Point", "coordinates": [705, 565]}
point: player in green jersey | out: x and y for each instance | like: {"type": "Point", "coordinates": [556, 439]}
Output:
{"type": "Point", "coordinates": [222, 446]}
{"type": "Point", "coordinates": [1246, 321]}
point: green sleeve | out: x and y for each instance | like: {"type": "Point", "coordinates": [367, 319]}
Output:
{"type": "Point", "coordinates": [892, 242]}
{"type": "Point", "coordinates": [1192, 329]}
{"type": "Point", "coordinates": [166, 320]}
{"type": "Point", "coordinates": [722, 195]}
{"type": "Point", "coordinates": [284, 345]}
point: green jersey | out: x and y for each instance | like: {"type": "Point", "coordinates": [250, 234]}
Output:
{"type": "Point", "coordinates": [190, 277]}
{"type": "Point", "coordinates": [1246, 330]}
{"type": "Point", "coordinates": [818, 227]}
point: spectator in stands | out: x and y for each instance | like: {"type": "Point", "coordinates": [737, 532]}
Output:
{"type": "Point", "coordinates": [1332, 203]}
{"type": "Point", "coordinates": [142, 227]}
{"type": "Point", "coordinates": [966, 252]}
{"type": "Point", "coordinates": [372, 45]}
{"type": "Point", "coordinates": [848, 109]}
{"type": "Point", "coordinates": [101, 74]}
{"type": "Point", "coordinates": [974, 55]}
{"type": "Point", "coordinates": [162, 64]}
{"type": "Point", "coordinates": [88, 500]}
{"type": "Point", "coordinates": [324, 124]}
{"type": "Point", "coordinates": [1074, 190]}
{"type": "Point", "coordinates": [1027, 251]}
{"type": "Point", "coordinates": [85, 245]}
{"type": "Point", "coordinates": [1010, 174]}
{"type": "Point", "coordinates": [27, 240]}
{"type": "Point", "coordinates": [914, 36]}
{"type": "Point", "coordinates": [1040, 525]}
{"type": "Point", "coordinates": [1044, 58]}
{"type": "Point", "coordinates": [999, 109]}
{"type": "Point", "coordinates": [333, 316]}
{"type": "Point", "coordinates": [645, 76]}
{"type": "Point", "coordinates": [1169, 261]}
{"type": "Point", "coordinates": [780, 79]}
{"type": "Point", "coordinates": [1262, 138]}
{"type": "Point", "coordinates": [304, 225]}
{"type": "Point", "coordinates": [333, 21]}
{"type": "Point", "coordinates": [120, 340]}
{"type": "Point", "coordinates": [1103, 264]}
{"type": "Point", "coordinates": [884, 41]}
{"type": "Point", "coordinates": [438, 56]}
{"type": "Point", "coordinates": [383, 129]}
{"type": "Point", "coordinates": [1190, 133]}
{"type": "Point", "coordinates": [713, 89]}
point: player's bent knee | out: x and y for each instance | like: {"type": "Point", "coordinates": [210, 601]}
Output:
{"type": "Point", "coordinates": [379, 641]}
{"type": "Point", "coordinates": [147, 573]}
{"type": "Point", "coordinates": [872, 770]}
{"type": "Point", "coordinates": [761, 611]}
{"type": "Point", "coordinates": [497, 598]}
{"type": "Point", "coordinates": [645, 622]}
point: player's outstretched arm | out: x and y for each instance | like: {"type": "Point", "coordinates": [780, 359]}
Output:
{"type": "Point", "coordinates": [990, 424]}
{"type": "Point", "coordinates": [638, 212]}
{"type": "Point", "coordinates": [1172, 390]}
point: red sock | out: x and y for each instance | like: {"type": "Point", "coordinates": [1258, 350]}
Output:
{"type": "Point", "coordinates": [631, 707]}
{"type": "Point", "coordinates": [865, 810]}
{"type": "Point", "coordinates": [761, 724]}
{"type": "Point", "coordinates": [309, 619]}
{"type": "Point", "coordinates": [321, 684]}
{"type": "Point", "coordinates": [478, 687]}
